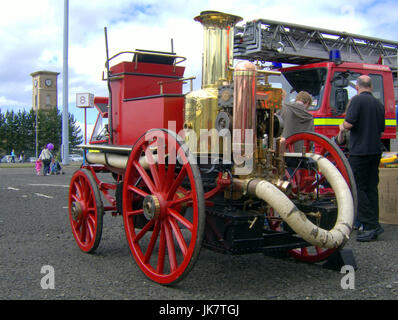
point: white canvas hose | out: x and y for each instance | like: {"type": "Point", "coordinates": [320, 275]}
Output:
{"type": "Point", "coordinates": [115, 160]}
{"type": "Point", "coordinates": [297, 220]}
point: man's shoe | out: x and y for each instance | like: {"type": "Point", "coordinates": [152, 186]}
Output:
{"type": "Point", "coordinates": [379, 231]}
{"type": "Point", "coordinates": [368, 235]}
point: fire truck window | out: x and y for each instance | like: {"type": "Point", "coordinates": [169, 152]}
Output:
{"type": "Point", "coordinates": [100, 130]}
{"type": "Point", "coordinates": [342, 80]}
{"type": "Point", "coordinates": [377, 82]}
{"type": "Point", "coordinates": [378, 90]}
{"type": "Point", "coordinates": [310, 80]}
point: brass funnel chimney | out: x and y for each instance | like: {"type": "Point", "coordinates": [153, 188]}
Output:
{"type": "Point", "coordinates": [201, 106]}
{"type": "Point", "coordinates": [218, 46]}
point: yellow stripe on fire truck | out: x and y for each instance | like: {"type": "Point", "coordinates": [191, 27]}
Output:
{"type": "Point", "coordinates": [337, 121]}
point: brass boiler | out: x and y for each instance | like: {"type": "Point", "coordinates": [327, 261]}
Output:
{"type": "Point", "coordinates": [201, 106]}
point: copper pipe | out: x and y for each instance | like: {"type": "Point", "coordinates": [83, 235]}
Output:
{"type": "Point", "coordinates": [244, 114]}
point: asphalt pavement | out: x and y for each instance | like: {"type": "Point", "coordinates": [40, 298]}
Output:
{"type": "Point", "coordinates": [36, 242]}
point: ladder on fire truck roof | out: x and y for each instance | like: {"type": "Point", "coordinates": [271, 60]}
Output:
{"type": "Point", "coordinates": [268, 40]}
{"type": "Point", "coordinates": [274, 41]}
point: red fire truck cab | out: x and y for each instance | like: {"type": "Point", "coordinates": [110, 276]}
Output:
{"type": "Point", "coordinates": [332, 85]}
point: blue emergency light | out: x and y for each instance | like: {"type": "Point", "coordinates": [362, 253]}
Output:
{"type": "Point", "coordinates": [335, 56]}
{"type": "Point", "coordinates": [276, 65]}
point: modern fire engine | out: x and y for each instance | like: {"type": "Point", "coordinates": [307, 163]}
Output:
{"type": "Point", "coordinates": [326, 64]}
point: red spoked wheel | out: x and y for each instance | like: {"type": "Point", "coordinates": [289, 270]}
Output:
{"type": "Point", "coordinates": [305, 182]}
{"type": "Point", "coordinates": [86, 210]}
{"type": "Point", "coordinates": [163, 206]}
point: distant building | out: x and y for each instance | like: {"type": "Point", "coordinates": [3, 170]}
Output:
{"type": "Point", "coordinates": [44, 92]}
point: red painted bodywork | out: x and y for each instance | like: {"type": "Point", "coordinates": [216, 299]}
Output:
{"type": "Point", "coordinates": [134, 118]}
{"type": "Point", "coordinates": [325, 110]}
{"type": "Point", "coordinates": [138, 104]}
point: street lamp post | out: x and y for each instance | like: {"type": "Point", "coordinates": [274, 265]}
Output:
{"type": "Point", "coordinates": [37, 140]}
{"type": "Point", "coordinates": [65, 115]}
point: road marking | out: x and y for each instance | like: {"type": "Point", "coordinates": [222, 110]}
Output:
{"type": "Point", "coordinates": [48, 185]}
{"type": "Point", "coordinates": [11, 188]}
{"type": "Point", "coordinates": [43, 195]}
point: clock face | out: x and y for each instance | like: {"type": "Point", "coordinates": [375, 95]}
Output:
{"type": "Point", "coordinates": [48, 82]}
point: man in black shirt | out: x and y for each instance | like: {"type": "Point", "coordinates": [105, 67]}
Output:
{"type": "Point", "coordinates": [366, 121]}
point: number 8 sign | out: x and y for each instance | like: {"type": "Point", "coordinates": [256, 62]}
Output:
{"type": "Point", "coordinates": [84, 100]}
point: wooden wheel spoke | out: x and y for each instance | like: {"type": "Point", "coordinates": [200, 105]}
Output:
{"type": "Point", "coordinates": [134, 212]}
{"type": "Point", "coordinates": [177, 182]}
{"type": "Point", "coordinates": [181, 200]}
{"type": "Point", "coordinates": [154, 237]}
{"type": "Point", "coordinates": [84, 187]}
{"type": "Point", "coordinates": [161, 160]}
{"type": "Point", "coordinates": [180, 219]}
{"type": "Point", "coordinates": [91, 209]}
{"type": "Point", "coordinates": [162, 175]}
{"type": "Point", "coordinates": [171, 164]}
{"type": "Point", "coordinates": [322, 151]}
{"type": "Point", "coordinates": [77, 224]}
{"type": "Point", "coordinates": [77, 185]}
{"type": "Point", "coordinates": [170, 247]}
{"type": "Point", "coordinates": [162, 251]}
{"type": "Point", "coordinates": [75, 198]}
{"type": "Point", "coordinates": [178, 234]}
{"type": "Point", "coordinates": [89, 194]}
{"type": "Point", "coordinates": [306, 145]}
{"type": "Point", "coordinates": [143, 231]}
{"type": "Point", "coordinates": [138, 191]}
{"type": "Point", "coordinates": [153, 168]}
{"type": "Point", "coordinates": [91, 227]}
{"type": "Point", "coordinates": [82, 230]}
{"type": "Point", "coordinates": [169, 176]}
{"type": "Point", "coordinates": [147, 180]}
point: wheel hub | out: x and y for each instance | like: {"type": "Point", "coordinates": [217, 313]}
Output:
{"type": "Point", "coordinates": [76, 210]}
{"type": "Point", "coordinates": [151, 207]}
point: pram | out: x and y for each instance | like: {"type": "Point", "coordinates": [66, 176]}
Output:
{"type": "Point", "coordinates": [56, 168]}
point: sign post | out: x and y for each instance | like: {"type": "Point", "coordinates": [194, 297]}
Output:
{"type": "Point", "coordinates": [85, 101]}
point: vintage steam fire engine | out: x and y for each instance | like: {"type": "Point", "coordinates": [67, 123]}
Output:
{"type": "Point", "coordinates": [205, 169]}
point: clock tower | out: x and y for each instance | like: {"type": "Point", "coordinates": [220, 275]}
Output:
{"type": "Point", "coordinates": [44, 93]}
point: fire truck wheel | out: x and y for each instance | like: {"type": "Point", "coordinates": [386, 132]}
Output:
{"type": "Point", "coordinates": [163, 187]}
{"type": "Point", "coordinates": [86, 210]}
{"type": "Point", "coordinates": [305, 181]}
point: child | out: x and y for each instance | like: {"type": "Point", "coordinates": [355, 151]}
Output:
{"type": "Point", "coordinates": [56, 167]}
{"type": "Point", "coordinates": [38, 166]}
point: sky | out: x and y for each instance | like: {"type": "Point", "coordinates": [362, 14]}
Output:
{"type": "Point", "coordinates": [31, 36]}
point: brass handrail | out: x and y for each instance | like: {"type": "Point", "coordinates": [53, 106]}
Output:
{"type": "Point", "coordinates": [161, 83]}
{"type": "Point", "coordinates": [136, 52]}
